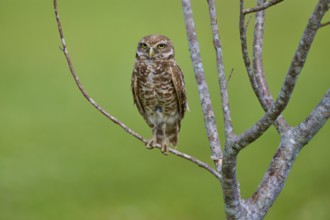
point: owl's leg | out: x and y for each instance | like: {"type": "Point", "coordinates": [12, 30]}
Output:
{"type": "Point", "coordinates": [164, 141]}
{"type": "Point", "coordinates": [172, 134]}
{"type": "Point", "coordinates": [158, 137]}
{"type": "Point", "coordinates": [153, 140]}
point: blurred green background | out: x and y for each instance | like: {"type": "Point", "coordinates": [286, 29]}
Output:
{"type": "Point", "coordinates": [61, 159]}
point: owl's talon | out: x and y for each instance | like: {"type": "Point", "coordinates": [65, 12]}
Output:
{"type": "Point", "coordinates": [150, 144]}
{"type": "Point", "coordinates": [164, 149]}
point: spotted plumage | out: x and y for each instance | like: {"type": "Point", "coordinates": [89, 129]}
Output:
{"type": "Point", "coordinates": [158, 89]}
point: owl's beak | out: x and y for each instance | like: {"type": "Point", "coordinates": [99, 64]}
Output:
{"type": "Point", "coordinates": [151, 52]}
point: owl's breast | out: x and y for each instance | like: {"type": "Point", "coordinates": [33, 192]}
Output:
{"type": "Point", "coordinates": [156, 88]}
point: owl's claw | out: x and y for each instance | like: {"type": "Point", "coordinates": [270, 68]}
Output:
{"type": "Point", "coordinates": [164, 149]}
{"type": "Point", "coordinates": [150, 144]}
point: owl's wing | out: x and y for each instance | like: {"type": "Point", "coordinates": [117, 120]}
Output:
{"type": "Point", "coordinates": [178, 81]}
{"type": "Point", "coordinates": [135, 91]}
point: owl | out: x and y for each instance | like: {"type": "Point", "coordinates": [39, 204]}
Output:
{"type": "Point", "coordinates": [158, 90]}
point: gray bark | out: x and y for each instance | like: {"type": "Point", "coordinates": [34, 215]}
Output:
{"type": "Point", "coordinates": [292, 138]}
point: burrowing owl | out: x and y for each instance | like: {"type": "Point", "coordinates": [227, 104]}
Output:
{"type": "Point", "coordinates": [158, 89]}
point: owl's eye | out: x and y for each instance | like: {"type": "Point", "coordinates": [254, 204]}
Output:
{"type": "Point", "coordinates": [161, 46]}
{"type": "Point", "coordinates": [144, 45]}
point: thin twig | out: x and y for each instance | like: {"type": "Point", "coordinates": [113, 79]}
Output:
{"type": "Point", "coordinates": [261, 7]}
{"type": "Point", "coordinates": [230, 75]}
{"type": "Point", "coordinates": [196, 161]}
{"type": "Point", "coordinates": [108, 115]}
{"type": "Point", "coordinates": [247, 24]}
{"type": "Point", "coordinates": [325, 24]}
{"type": "Point", "coordinates": [209, 119]}
{"type": "Point", "coordinates": [244, 47]}
{"type": "Point", "coordinates": [80, 86]}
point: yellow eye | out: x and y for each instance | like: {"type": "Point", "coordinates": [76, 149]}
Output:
{"type": "Point", "coordinates": [161, 46]}
{"type": "Point", "coordinates": [144, 45]}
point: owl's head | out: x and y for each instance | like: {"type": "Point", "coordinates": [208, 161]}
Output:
{"type": "Point", "coordinates": [155, 47]}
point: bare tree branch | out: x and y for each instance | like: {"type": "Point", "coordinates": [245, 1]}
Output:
{"type": "Point", "coordinates": [300, 56]}
{"type": "Point", "coordinates": [230, 186]}
{"type": "Point", "coordinates": [256, 74]}
{"type": "Point", "coordinates": [296, 65]}
{"type": "Point", "coordinates": [80, 86]}
{"type": "Point", "coordinates": [258, 43]}
{"type": "Point", "coordinates": [264, 6]}
{"type": "Point", "coordinates": [245, 51]}
{"type": "Point", "coordinates": [221, 70]}
{"type": "Point", "coordinates": [209, 119]}
{"type": "Point", "coordinates": [274, 179]}
{"type": "Point", "coordinates": [112, 118]}
{"type": "Point", "coordinates": [315, 120]}
{"type": "Point", "coordinates": [261, 87]}
{"type": "Point", "coordinates": [229, 182]}
{"type": "Point", "coordinates": [291, 144]}
{"type": "Point", "coordinates": [196, 161]}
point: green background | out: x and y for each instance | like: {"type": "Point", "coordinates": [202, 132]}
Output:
{"type": "Point", "coordinates": [62, 159]}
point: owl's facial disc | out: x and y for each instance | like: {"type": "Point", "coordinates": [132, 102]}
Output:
{"type": "Point", "coordinates": [155, 47]}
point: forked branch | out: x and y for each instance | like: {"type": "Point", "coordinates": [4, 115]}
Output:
{"type": "Point", "coordinates": [289, 83]}
{"type": "Point", "coordinates": [291, 143]}
{"type": "Point", "coordinates": [255, 70]}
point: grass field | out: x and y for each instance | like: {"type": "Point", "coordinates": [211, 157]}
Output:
{"type": "Point", "coordinates": [61, 159]}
